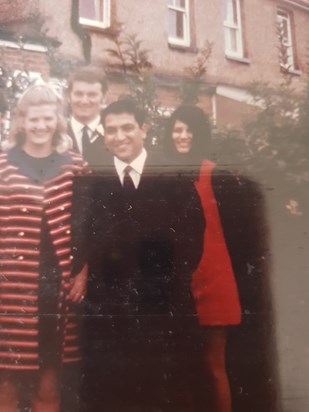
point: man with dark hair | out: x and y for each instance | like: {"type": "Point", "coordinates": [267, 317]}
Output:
{"type": "Point", "coordinates": [85, 94]}
{"type": "Point", "coordinates": [125, 105]}
{"type": "Point", "coordinates": [143, 346]}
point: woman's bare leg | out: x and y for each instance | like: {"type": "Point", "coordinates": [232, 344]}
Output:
{"type": "Point", "coordinates": [46, 397]}
{"type": "Point", "coordinates": [8, 393]}
{"type": "Point", "coordinates": [214, 361]}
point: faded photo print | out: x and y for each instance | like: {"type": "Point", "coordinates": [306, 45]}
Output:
{"type": "Point", "coordinates": [153, 205]}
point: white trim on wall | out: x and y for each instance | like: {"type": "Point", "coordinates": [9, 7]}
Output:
{"type": "Point", "coordinates": [26, 46]}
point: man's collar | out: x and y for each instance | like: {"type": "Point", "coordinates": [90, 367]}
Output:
{"type": "Point", "coordinates": [137, 164]}
{"type": "Point", "coordinates": [93, 126]}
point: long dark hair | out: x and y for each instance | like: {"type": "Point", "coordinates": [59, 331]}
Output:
{"type": "Point", "coordinates": [198, 122]}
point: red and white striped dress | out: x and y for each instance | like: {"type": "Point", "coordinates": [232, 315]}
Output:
{"type": "Point", "coordinates": [24, 203]}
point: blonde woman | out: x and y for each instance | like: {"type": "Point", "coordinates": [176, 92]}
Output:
{"type": "Point", "coordinates": [41, 281]}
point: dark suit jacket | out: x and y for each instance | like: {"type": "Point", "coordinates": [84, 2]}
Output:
{"type": "Point", "coordinates": [97, 154]}
{"type": "Point", "coordinates": [147, 245]}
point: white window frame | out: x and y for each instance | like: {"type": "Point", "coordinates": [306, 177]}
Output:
{"type": "Point", "coordinates": [230, 26]}
{"type": "Point", "coordinates": [26, 46]}
{"type": "Point", "coordinates": [186, 25]}
{"type": "Point", "coordinates": [102, 23]}
{"type": "Point", "coordinates": [285, 15]}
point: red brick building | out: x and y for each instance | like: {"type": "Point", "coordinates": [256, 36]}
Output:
{"type": "Point", "coordinates": [244, 36]}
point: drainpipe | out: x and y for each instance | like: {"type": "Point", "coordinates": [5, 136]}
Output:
{"type": "Point", "coordinates": [80, 31]}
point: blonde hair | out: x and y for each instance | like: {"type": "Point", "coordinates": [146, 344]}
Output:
{"type": "Point", "coordinates": [38, 95]}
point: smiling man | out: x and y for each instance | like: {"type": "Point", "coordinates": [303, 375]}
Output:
{"type": "Point", "coordinates": [86, 90]}
{"type": "Point", "coordinates": [148, 232]}
{"type": "Point", "coordinates": [124, 138]}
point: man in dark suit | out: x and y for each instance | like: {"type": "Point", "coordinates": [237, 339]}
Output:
{"type": "Point", "coordinates": [86, 90]}
{"type": "Point", "coordinates": [143, 345]}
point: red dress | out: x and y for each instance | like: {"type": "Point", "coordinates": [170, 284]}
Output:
{"type": "Point", "coordinates": [213, 284]}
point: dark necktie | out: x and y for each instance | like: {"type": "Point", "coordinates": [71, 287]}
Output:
{"type": "Point", "coordinates": [85, 141]}
{"type": "Point", "coordinates": [128, 184]}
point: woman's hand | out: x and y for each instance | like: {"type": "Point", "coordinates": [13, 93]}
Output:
{"type": "Point", "coordinates": [79, 285]}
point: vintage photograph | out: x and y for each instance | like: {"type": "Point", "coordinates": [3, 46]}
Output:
{"type": "Point", "coordinates": [154, 170]}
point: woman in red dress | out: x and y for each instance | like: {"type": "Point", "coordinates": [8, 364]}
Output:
{"type": "Point", "coordinates": [213, 285]}
{"type": "Point", "coordinates": [41, 279]}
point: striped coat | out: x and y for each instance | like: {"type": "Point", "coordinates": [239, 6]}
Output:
{"type": "Point", "coordinates": [23, 203]}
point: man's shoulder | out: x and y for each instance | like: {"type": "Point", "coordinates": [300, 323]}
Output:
{"type": "Point", "coordinates": [165, 180]}
{"type": "Point", "coordinates": [105, 169]}
{"type": "Point", "coordinates": [157, 164]}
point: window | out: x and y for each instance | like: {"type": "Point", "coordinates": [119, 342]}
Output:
{"type": "Point", "coordinates": [284, 31]}
{"type": "Point", "coordinates": [95, 13]}
{"type": "Point", "coordinates": [232, 29]}
{"type": "Point", "coordinates": [178, 22]}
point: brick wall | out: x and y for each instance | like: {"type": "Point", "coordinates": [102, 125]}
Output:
{"type": "Point", "coordinates": [57, 16]}
{"type": "Point", "coordinates": [16, 10]}
{"type": "Point", "coordinates": [150, 23]}
{"type": "Point", "coordinates": [30, 60]}
{"type": "Point", "coordinates": [259, 32]}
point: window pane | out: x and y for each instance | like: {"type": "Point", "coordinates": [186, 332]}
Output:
{"type": "Point", "coordinates": [235, 14]}
{"type": "Point", "coordinates": [233, 40]}
{"type": "Point", "coordinates": [284, 30]}
{"type": "Point", "coordinates": [284, 34]}
{"type": "Point", "coordinates": [231, 11]}
{"type": "Point", "coordinates": [286, 56]}
{"type": "Point", "coordinates": [87, 9]}
{"type": "Point", "coordinates": [170, 2]}
{"type": "Point", "coordinates": [180, 25]}
{"type": "Point", "coordinates": [176, 24]}
{"type": "Point", "coordinates": [92, 9]}
{"type": "Point", "coordinates": [180, 3]}
{"type": "Point", "coordinates": [100, 9]}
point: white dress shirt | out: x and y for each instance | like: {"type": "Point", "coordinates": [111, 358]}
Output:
{"type": "Point", "coordinates": [137, 168]}
{"type": "Point", "coordinates": [77, 128]}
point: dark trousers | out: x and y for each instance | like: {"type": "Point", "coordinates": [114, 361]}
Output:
{"type": "Point", "coordinates": [140, 364]}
